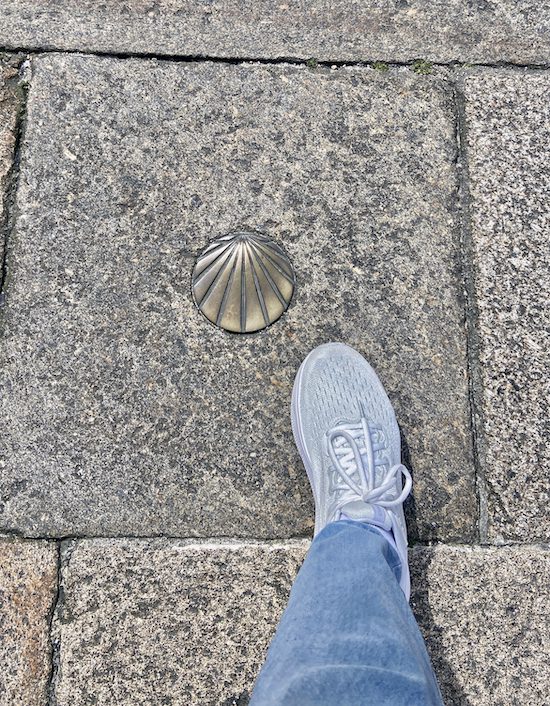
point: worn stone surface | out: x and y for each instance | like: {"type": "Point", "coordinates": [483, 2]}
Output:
{"type": "Point", "coordinates": [441, 30]}
{"type": "Point", "coordinates": [177, 623]}
{"type": "Point", "coordinates": [9, 106]}
{"type": "Point", "coordinates": [484, 614]}
{"type": "Point", "coordinates": [508, 141]}
{"type": "Point", "coordinates": [28, 585]}
{"type": "Point", "coordinates": [190, 623]}
{"type": "Point", "coordinates": [125, 411]}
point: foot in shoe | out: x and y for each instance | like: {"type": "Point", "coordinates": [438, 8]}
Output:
{"type": "Point", "coordinates": [347, 434]}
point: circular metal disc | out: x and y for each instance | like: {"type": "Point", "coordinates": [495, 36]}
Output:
{"type": "Point", "coordinates": [243, 281]}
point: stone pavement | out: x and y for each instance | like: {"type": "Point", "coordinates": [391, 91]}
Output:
{"type": "Point", "coordinates": [153, 508]}
{"type": "Point", "coordinates": [473, 31]}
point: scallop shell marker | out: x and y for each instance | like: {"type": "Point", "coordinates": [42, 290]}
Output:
{"type": "Point", "coordinates": [243, 282]}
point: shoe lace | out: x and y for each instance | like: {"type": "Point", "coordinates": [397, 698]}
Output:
{"type": "Point", "coordinates": [355, 467]}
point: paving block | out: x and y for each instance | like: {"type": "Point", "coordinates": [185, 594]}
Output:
{"type": "Point", "coordinates": [176, 623]}
{"type": "Point", "coordinates": [508, 142]}
{"type": "Point", "coordinates": [9, 107]}
{"type": "Point", "coordinates": [189, 623]}
{"type": "Point", "coordinates": [484, 615]}
{"type": "Point", "coordinates": [128, 413]}
{"type": "Point", "coordinates": [340, 30]}
{"type": "Point", "coordinates": [28, 586]}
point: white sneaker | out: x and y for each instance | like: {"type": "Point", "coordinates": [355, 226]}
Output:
{"type": "Point", "coordinates": [347, 435]}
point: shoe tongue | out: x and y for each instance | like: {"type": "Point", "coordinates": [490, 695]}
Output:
{"type": "Point", "coordinates": [364, 512]}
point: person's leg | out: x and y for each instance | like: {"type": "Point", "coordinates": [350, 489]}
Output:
{"type": "Point", "coordinates": [348, 636]}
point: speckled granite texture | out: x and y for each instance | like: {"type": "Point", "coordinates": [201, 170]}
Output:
{"type": "Point", "coordinates": [484, 614]}
{"type": "Point", "coordinates": [176, 623]}
{"type": "Point", "coordinates": [508, 144]}
{"type": "Point", "coordinates": [28, 587]}
{"type": "Point", "coordinates": [339, 30]}
{"type": "Point", "coordinates": [126, 411]}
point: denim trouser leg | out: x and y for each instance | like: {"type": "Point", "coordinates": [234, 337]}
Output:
{"type": "Point", "coordinates": [348, 636]}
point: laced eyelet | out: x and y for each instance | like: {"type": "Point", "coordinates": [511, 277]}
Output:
{"type": "Point", "coordinates": [348, 460]}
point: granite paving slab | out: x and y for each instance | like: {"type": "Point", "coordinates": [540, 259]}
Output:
{"type": "Point", "coordinates": [28, 586]}
{"type": "Point", "coordinates": [484, 615]}
{"type": "Point", "coordinates": [508, 142]}
{"type": "Point", "coordinates": [9, 107]}
{"type": "Point", "coordinates": [189, 623]}
{"type": "Point", "coordinates": [340, 30]}
{"type": "Point", "coordinates": [180, 624]}
{"type": "Point", "coordinates": [126, 412]}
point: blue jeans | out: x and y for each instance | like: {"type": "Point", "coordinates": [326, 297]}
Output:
{"type": "Point", "coordinates": [348, 636]}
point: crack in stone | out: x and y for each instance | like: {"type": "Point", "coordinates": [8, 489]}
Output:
{"type": "Point", "coordinates": [294, 60]}
{"type": "Point", "coordinates": [7, 225]}
{"type": "Point", "coordinates": [54, 640]}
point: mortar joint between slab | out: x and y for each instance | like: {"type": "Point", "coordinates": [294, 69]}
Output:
{"type": "Point", "coordinates": [8, 222]}
{"type": "Point", "coordinates": [68, 544]}
{"type": "Point", "coordinates": [471, 310]}
{"type": "Point", "coordinates": [310, 62]}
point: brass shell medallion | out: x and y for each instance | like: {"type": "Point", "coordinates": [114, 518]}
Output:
{"type": "Point", "coordinates": [243, 281]}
